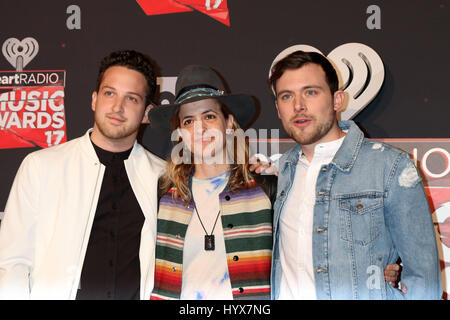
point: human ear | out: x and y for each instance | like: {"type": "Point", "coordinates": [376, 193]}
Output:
{"type": "Point", "coordinates": [145, 119]}
{"type": "Point", "coordinates": [230, 121]}
{"type": "Point", "coordinates": [94, 100]}
{"type": "Point", "coordinates": [338, 100]}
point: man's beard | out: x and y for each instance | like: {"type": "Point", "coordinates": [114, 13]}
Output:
{"type": "Point", "coordinates": [303, 137]}
{"type": "Point", "coordinates": [115, 132]}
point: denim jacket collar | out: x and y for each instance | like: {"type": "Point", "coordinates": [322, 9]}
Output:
{"type": "Point", "coordinates": [346, 155]}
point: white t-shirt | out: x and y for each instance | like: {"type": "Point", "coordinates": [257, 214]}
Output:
{"type": "Point", "coordinates": [296, 226]}
{"type": "Point", "coordinates": [205, 273]}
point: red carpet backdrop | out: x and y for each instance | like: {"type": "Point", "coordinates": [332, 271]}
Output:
{"type": "Point", "coordinates": [392, 58]}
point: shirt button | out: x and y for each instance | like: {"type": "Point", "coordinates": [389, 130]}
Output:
{"type": "Point", "coordinates": [230, 226]}
{"type": "Point", "coordinates": [282, 193]}
{"type": "Point", "coordinates": [359, 206]}
{"type": "Point", "coordinates": [174, 269]}
{"type": "Point", "coordinates": [227, 198]}
{"type": "Point", "coordinates": [235, 258]}
{"type": "Point", "coordinates": [241, 290]}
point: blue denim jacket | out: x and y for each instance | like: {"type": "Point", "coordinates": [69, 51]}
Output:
{"type": "Point", "coordinates": [370, 210]}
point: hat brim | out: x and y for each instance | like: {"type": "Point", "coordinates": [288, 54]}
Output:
{"type": "Point", "coordinates": [242, 107]}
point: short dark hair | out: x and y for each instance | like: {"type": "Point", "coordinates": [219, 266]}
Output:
{"type": "Point", "coordinates": [298, 59]}
{"type": "Point", "coordinates": [132, 60]}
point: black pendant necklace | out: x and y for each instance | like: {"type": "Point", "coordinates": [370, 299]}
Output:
{"type": "Point", "coordinates": [210, 243]}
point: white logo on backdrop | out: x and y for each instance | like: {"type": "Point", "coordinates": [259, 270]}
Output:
{"type": "Point", "coordinates": [20, 53]}
{"type": "Point", "coordinates": [360, 71]}
{"type": "Point", "coordinates": [215, 6]}
{"type": "Point", "coordinates": [166, 84]}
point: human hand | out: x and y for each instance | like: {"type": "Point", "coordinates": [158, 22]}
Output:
{"type": "Point", "coordinates": [392, 274]}
{"type": "Point", "coordinates": [262, 167]}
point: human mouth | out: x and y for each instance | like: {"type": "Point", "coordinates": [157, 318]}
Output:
{"type": "Point", "coordinates": [116, 119]}
{"type": "Point", "coordinates": [301, 122]}
{"type": "Point", "coordinates": [204, 139]}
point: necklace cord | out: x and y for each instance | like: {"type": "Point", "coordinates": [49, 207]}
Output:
{"type": "Point", "coordinates": [198, 215]}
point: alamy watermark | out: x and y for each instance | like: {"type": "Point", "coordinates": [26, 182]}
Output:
{"type": "Point", "coordinates": [212, 146]}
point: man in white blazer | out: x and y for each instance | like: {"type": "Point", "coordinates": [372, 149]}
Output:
{"type": "Point", "coordinates": [80, 220]}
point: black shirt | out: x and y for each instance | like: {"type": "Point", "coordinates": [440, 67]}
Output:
{"type": "Point", "coordinates": [111, 268]}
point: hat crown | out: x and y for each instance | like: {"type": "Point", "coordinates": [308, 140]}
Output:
{"type": "Point", "coordinates": [197, 76]}
{"type": "Point", "coordinates": [197, 82]}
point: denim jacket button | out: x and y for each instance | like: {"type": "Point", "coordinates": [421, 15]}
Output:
{"type": "Point", "coordinates": [320, 229]}
{"type": "Point", "coordinates": [321, 193]}
{"type": "Point", "coordinates": [282, 193]}
{"type": "Point", "coordinates": [319, 270]}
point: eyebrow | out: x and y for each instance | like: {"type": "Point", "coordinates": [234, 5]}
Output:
{"type": "Point", "coordinates": [206, 111]}
{"type": "Point", "coordinates": [302, 88]}
{"type": "Point", "coordinates": [128, 92]}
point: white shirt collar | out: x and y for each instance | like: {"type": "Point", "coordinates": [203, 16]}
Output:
{"type": "Point", "coordinates": [323, 151]}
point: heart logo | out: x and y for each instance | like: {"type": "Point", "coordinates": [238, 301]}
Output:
{"type": "Point", "coordinates": [20, 53]}
{"type": "Point", "coordinates": [360, 71]}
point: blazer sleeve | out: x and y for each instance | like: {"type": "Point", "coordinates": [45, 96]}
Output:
{"type": "Point", "coordinates": [17, 232]}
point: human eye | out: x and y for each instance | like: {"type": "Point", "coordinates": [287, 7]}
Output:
{"type": "Point", "coordinates": [187, 122]}
{"type": "Point", "coordinates": [285, 96]}
{"type": "Point", "coordinates": [108, 93]}
{"type": "Point", "coordinates": [133, 99]}
{"type": "Point", "coordinates": [210, 116]}
{"type": "Point", "coordinates": [311, 92]}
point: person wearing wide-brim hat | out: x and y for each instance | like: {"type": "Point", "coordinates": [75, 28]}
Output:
{"type": "Point", "coordinates": [214, 220]}
{"type": "Point", "coordinates": [196, 82]}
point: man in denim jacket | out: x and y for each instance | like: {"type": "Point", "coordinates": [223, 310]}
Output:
{"type": "Point", "coordinates": [346, 206]}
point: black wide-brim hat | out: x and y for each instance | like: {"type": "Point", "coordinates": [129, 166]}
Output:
{"type": "Point", "coordinates": [196, 82]}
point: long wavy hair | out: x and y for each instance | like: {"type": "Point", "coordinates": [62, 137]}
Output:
{"type": "Point", "coordinates": [177, 175]}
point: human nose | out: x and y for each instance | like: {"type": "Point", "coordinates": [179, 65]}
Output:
{"type": "Point", "coordinates": [118, 104]}
{"type": "Point", "coordinates": [299, 104]}
{"type": "Point", "coordinates": [199, 128]}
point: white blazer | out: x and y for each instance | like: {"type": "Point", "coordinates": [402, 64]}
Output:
{"type": "Point", "coordinates": [49, 213]}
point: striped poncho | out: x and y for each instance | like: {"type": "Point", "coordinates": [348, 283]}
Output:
{"type": "Point", "coordinates": [247, 227]}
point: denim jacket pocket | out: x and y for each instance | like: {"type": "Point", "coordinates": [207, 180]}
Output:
{"type": "Point", "coordinates": [361, 215]}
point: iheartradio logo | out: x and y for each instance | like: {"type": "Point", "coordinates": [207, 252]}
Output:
{"type": "Point", "coordinates": [20, 53]}
{"type": "Point", "coordinates": [31, 101]}
{"type": "Point", "coordinates": [360, 71]}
